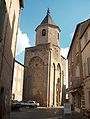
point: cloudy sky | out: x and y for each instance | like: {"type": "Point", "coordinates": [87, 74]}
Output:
{"type": "Point", "coordinates": [65, 13]}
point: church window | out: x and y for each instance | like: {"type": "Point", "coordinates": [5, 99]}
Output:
{"type": "Point", "coordinates": [44, 32]}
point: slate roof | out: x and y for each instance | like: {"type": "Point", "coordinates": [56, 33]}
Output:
{"type": "Point", "coordinates": [48, 20]}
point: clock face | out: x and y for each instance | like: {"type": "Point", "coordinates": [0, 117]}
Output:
{"type": "Point", "coordinates": [44, 32]}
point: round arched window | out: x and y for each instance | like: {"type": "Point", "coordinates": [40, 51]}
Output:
{"type": "Point", "coordinates": [44, 32]}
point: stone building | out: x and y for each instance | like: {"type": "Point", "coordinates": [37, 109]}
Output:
{"type": "Point", "coordinates": [85, 53]}
{"type": "Point", "coordinates": [9, 18]}
{"type": "Point", "coordinates": [17, 87]}
{"type": "Point", "coordinates": [43, 68]}
{"type": "Point", "coordinates": [77, 58]}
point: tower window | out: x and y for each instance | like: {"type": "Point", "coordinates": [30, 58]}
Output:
{"type": "Point", "coordinates": [44, 32]}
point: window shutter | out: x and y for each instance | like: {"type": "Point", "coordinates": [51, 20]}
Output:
{"type": "Point", "coordinates": [2, 15]}
{"type": "Point", "coordinates": [88, 63]}
{"type": "Point", "coordinates": [84, 70]}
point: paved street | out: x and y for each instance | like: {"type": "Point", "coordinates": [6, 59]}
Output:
{"type": "Point", "coordinates": [44, 113]}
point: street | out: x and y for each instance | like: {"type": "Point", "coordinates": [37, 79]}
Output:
{"type": "Point", "coordinates": [44, 113]}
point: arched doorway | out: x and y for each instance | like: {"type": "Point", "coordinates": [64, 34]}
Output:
{"type": "Point", "coordinates": [53, 84]}
{"type": "Point", "coordinates": [58, 85]}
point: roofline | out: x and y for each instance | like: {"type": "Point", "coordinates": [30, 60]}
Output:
{"type": "Point", "coordinates": [21, 3]}
{"type": "Point", "coordinates": [63, 57]}
{"type": "Point", "coordinates": [72, 40]}
{"type": "Point", "coordinates": [75, 35]}
{"type": "Point", "coordinates": [46, 24]}
{"type": "Point", "coordinates": [19, 63]}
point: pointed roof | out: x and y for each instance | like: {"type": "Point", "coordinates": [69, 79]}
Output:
{"type": "Point", "coordinates": [48, 20]}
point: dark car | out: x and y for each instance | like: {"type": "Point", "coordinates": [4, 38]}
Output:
{"type": "Point", "coordinates": [15, 105]}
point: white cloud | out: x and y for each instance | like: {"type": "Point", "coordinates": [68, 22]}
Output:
{"type": "Point", "coordinates": [22, 42]}
{"type": "Point", "coordinates": [64, 52]}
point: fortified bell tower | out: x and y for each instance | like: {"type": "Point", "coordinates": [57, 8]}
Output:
{"type": "Point", "coordinates": [48, 31]}
{"type": "Point", "coordinates": [42, 76]}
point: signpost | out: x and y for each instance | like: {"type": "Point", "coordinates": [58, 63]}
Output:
{"type": "Point", "coordinates": [67, 108]}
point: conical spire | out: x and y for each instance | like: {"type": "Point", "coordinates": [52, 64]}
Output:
{"type": "Point", "coordinates": [48, 19]}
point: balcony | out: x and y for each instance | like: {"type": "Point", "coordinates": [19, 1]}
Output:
{"type": "Point", "coordinates": [77, 82]}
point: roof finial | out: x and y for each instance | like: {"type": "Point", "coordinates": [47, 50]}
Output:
{"type": "Point", "coordinates": [48, 11]}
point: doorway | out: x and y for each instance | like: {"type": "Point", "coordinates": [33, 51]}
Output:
{"type": "Point", "coordinates": [1, 102]}
{"type": "Point", "coordinates": [89, 99]}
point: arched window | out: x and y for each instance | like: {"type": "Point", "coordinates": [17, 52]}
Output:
{"type": "Point", "coordinates": [44, 32]}
{"type": "Point", "coordinates": [58, 67]}
{"type": "Point", "coordinates": [58, 80]}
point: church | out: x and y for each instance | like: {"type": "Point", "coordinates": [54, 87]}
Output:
{"type": "Point", "coordinates": [45, 69]}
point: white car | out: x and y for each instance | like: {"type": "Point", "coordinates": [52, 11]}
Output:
{"type": "Point", "coordinates": [33, 103]}
{"type": "Point", "coordinates": [30, 103]}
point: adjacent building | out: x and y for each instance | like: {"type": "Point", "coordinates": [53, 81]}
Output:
{"type": "Point", "coordinates": [44, 74]}
{"type": "Point", "coordinates": [85, 53]}
{"type": "Point", "coordinates": [78, 67]}
{"type": "Point", "coordinates": [9, 19]}
{"type": "Point", "coordinates": [17, 87]}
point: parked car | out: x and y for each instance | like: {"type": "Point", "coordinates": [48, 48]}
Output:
{"type": "Point", "coordinates": [29, 103]}
{"type": "Point", "coordinates": [15, 105]}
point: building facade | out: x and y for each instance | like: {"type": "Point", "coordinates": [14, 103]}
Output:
{"type": "Point", "coordinates": [9, 18]}
{"type": "Point", "coordinates": [17, 87]}
{"type": "Point", "coordinates": [85, 52]}
{"type": "Point", "coordinates": [43, 69]}
{"type": "Point", "coordinates": [75, 68]}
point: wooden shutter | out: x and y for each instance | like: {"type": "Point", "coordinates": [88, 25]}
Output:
{"type": "Point", "coordinates": [2, 15]}
{"type": "Point", "coordinates": [88, 63]}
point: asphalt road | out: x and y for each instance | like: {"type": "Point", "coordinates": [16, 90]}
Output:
{"type": "Point", "coordinates": [37, 113]}
{"type": "Point", "coordinates": [44, 113]}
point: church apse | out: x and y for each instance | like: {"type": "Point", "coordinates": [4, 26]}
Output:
{"type": "Point", "coordinates": [37, 83]}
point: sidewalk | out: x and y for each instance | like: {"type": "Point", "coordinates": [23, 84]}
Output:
{"type": "Point", "coordinates": [73, 115]}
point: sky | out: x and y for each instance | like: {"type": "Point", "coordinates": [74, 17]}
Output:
{"type": "Point", "coordinates": [65, 13]}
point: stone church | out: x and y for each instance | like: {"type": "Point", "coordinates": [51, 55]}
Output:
{"type": "Point", "coordinates": [43, 74]}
